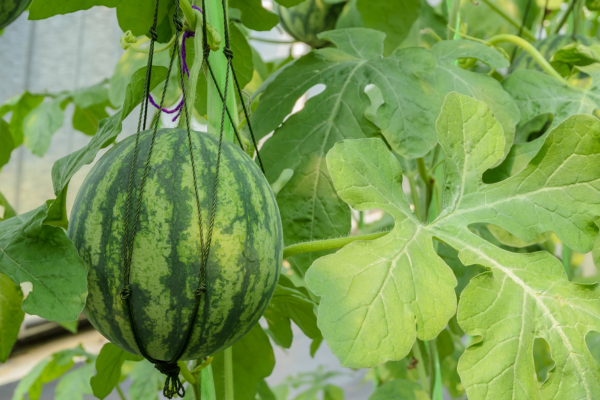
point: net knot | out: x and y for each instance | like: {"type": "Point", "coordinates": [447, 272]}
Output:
{"type": "Point", "coordinates": [173, 385]}
{"type": "Point", "coordinates": [200, 290]}
{"type": "Point", "coordinates": [125, 292]}
{"type": "Point", "coordinates": [177, 23]}
{"type": "Point", "coordinates": [205, 51]}
{"type": "Point", "coordinates": [228, 53]}
{"type": "Point", "coordinates": [153, 34]}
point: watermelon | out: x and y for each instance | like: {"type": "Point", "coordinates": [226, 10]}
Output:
{"type": "Point", "coordinates": [309, 18]}
{"type": "Point", "coordinates": [245, 256]}
{"type": "Point", "coordinates": [10, 10]}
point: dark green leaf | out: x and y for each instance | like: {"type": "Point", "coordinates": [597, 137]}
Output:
{"type": "Point", "coordinates": [253, 361]}
{"type": "Point", "coordinates": [108, 369]}
{"type": "Point", "coordinates": [87, 120]}
{"type": "Point", "coordinates": [11, 315]}
{"type": "Point", "coordinates": [42, 9]}
{"type": "Point", "coordinates": [254, 16]}
{"type": "Point", "coordinates": [7, 143]}
{"type": "Point", "coordinates": [44, 256]}
{"type": "Point", "coordinates": [42, 123]}
{"type": "Point", "coordinates": [137, 16]}
{"type": "Point", "coordinates": [6, 210]}
{"type": "Point", "coordinates": [265, 392]}
{"type": "Point", "coordinates": [89, 96]}
{"type": "Point", "coordinates": [289, 3]}
{"type": "Point", "coordinates": [64, 169]}
{"type": "Point", "coordinates": [392, 17]}
{"type": "Point", "coordinates": [71, 326]}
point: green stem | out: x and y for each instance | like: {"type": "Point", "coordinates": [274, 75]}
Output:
{"type": "Point", "coordinates": [185, 372]}
{"type": "Point", "coordinates": [272, 41]}
{"type": "Point", "coordinates": [228, 370]}
{"type": "Point", "coordinates": [196, 68]}
{"type": "Point", "coordinates": [432, 33]}
{"type": "Point", "coordinates": [566, 259]}
{"type": "Point", "coordinates": [565, 17]}
{"type": "Point", "coordinates": [218, 62]}
{"type": "Point", "coordinates": [454, 21]}
{"type": "Point", "coordinates": [188, 13]}
{"type": "Point", "coordinates": [420, 366]}
{"type": "Point", "coordinates": [361, 221]}
{"type": "Point", "coordinates": [436, 392]}
{"type": "Point", "coordinates": [424, 174]}
{"type": "Point", "coordinates": [415, 197]}
{"type": "Point", "coordinates": [120, 392]}
{"type": "Point", "coordinates": [532, 51]}
{"type": "Point", "coordinates": [159, 50]}
{"type": "Point", "coordinates": [578, 17]}
{"type": "Point", "coordinates": [329, 244]}
{"type": "Point", "coordinates": [517, 24]}
{"type": "Point", "coordinates": [207, 389]}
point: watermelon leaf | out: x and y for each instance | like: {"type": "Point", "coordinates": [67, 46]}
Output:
{"type": "Point", "coordinates": [146, 381]}
{"type": "Point", "coordinates": [42, 123]}
{"type": "Point", "coordinates": [523, 296]}
{"type": "Point", "coordinates": [137, 16]}
{"type": "Point", "coordinates": [376, 15]}
{"type": "Point", "coordinates": [76, 384]}
{"type": "Point", "coordinates": [253, 361]}
{"type": "Point", "coordinates": [11, 315]}
{"type": "Point", "coordinates": [42, 9]}
{"type": "Point", "coordinates": [6, 210]}
{"type": "Point", "coordinates": [64, 169]}
{"type": "Point", "coordinates": [254, 16]}
{"type": "Point", "coordinates": [7, 143]}
{"type": "Point", "coordinates": [108, 369]}
{"type": "Point", "coordinates": [399, 389]}
{"type": "Point", "coordinates": [289, 3]}
{"type": "Point", "coordinates": [46, 371]}
{"type": "Point", "coordinates": [20, 105]}
{"type": "Point", "coordinates": [43, 255]}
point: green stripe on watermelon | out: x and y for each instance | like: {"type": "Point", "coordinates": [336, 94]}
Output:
{"type": "Point", "coordinates": [246, 251]}
{"type": "Point", "coordinates": [306, 20]}
{"type": "Point", "coordinates": [10, 10]}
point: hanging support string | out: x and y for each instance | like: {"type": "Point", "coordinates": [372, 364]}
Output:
{"type": "Point", "coordinates": [173, 386]}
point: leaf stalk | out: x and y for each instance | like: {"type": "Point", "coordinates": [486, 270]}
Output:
{"type": "Point", "coordinates": [329, 244]}
{"type": "Point", "coordinates": [510, 19]}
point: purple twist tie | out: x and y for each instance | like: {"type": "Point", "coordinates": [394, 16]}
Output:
{"type": "Point", "coordinates": [185, 70]}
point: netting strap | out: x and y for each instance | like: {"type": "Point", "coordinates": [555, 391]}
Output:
{"type": "Point", "coordinates": [170, 368]}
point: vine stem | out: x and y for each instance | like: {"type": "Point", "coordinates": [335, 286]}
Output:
{"type": "Point", "coordinates": [421, 366]}
{"type": "Point", "coordinates": [564, 17]}
{"type": "Point", "coordinates": [228, 366]}
{"type": "Point", "coordinates": [196, 67]}
{"type": "Point", "coordinates": [531, 50]}
{"type": "Point", "coordinates": [120, 392]}
{"type": "Point", "coordinates": [510, 19]}
{"type": "Point", "coordinates": [329, 244]}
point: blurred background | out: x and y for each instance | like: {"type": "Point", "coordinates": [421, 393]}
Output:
{"type": "Point", "coordinates": [82, 49]}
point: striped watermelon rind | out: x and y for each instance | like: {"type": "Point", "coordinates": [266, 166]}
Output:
{"type": "Point", "coordinates": [306, 20]}
{"type": "Point", "coordinates": [245, 257]}
{"type": "Point", "coordinates": [10, 10]}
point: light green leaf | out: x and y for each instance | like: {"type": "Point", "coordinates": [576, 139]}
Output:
{"type": "Point", "coordinates": [42, 123]}
{"type": "Point", "coordinates": [523, 296]}
{"type": "Point", "coordinates": [20, 105]}
{"type": "Point", "coordinates": [129, 63]}
{"type": "Point", "coordinates": [108, 369]}
{"type": "Point", "coordinates": [309, 205]}
{"type": "Point", "coordinates": [7, 143]}
{"type": "Point", "coordinates": [395, 18]}
{"type": "Point", "coordinates": [11, 315]}
{"type": "Point", "coordinates": [6, 210]}
{"type": "Point", "coordinates": [42, 9]}
{"type": "Point", "coordinates": [91, 95]}
{"type": "Point", "coordinates": [254, 16]}
{"type": "Point", "coordinates": [75, 385]}
{"type": "Point", "coordinates": [46, 371]}
{"type": "Point", "coordinates": [109, 128]}
{"type": "Point", "coordinates": [508, 239]}
{"type": "Point", "coordinates": [449, 77]}
{"type": "Point", "coordinates": [374, 293]}
{"type": "Point", "coordinates": [44, 256]}
{"type": "Point", "coordinates": [253, 361]}
{"type": "Point", "coordinates": [147, 381]}
{"type": "Point", "coordinates": [400, 389]}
